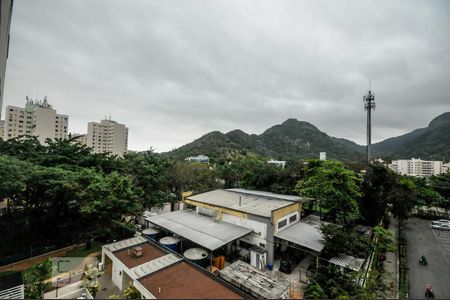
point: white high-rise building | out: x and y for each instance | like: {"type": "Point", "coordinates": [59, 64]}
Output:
{"type": "Point", "coordinates": [417, 167]}
{"type": "Point", "coordinates": [108, 136]}
{"type": "Point", "coordinates": [37, 118]}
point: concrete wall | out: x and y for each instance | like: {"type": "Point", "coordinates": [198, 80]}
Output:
{"type": "Point", "coordinates": [118, 268]}
{"type": "Point", "coordinates": [44, 120]}
{"type": "Point", "coordinates": [281, 213]}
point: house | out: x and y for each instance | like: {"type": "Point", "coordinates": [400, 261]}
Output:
{"type": "Point", "coordinates": [158, 273]}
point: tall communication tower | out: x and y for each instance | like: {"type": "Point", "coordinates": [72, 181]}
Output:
{"type": "Point", "coordinates": [369, 104]}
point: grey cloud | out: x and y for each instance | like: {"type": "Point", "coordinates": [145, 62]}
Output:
{"type": "Point", "coordinates": [172, 71]}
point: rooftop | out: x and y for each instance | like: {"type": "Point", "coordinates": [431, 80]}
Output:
{"type": "Point", "coordinates": [149, 252]}
{"type": "Point", "coordinates": [125, 243]}
{"type": "Point", "coordinates": [348, 262]}
{"type": "Point", "coordinates": [185, 282]}
{"type": "Point", "coordinates": [305, 233]}
{"type": "Point", "coordinates": [202, 230]}
{"type": "Point", "coordinates": [253, 202]}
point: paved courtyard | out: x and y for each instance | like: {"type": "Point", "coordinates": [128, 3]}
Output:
{"type": "Point", "coordinates": [435, 245]}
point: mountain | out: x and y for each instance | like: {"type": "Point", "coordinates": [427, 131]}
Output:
{"type": "Point", "coordinates": [292, 139]}
{"type": "Point", "coordinates": [432, 142]}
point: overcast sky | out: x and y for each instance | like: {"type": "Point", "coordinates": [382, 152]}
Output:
{"type": "Point", "coordinates": [175, 70]}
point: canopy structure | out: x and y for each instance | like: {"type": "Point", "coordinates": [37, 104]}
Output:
{"type": "Point", "coordinates": [202, 230]}
{"type": "Point", "coordinates": [348, 262]}
{"type": "Point", "coordinates": [305, 233]}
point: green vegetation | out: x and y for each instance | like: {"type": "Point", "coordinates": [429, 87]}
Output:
{"type": "Point", "coordinates": [34, 278]}
{"type": "Point", "coordinates": [432, 142]}
{"type": "Point", "coordinates": [291, 140]}
{"type": "Point", "coordinates": [90, 279]}
{"type": "Point", "coordinates": [61, 194]}
{"type": "Point", "coordinates": [344, 240]}
{"type": "Point", "coordinates": [403, 272]}
{"type": "Point", "coordinates": [335, 187]}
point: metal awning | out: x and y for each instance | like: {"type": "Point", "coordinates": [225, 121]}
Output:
{"type": "Point", "coordinates": [348, 262]}
{"type": "Point", "coordinates": [202, 230]}
{"type": "Point", "coordinates": [305, 233]}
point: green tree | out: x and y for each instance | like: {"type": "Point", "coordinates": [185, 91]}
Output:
{"type": "Point", "coordinates": [314, 291]}
{"type": "Point", "coordinates": [402, 198]}
{"type": "Point", "coordinates": [192, 176]}
{"type": "Point", "coordinates": [441, 184]}
{"type": "Point", "coordinates": [106, 198]}
{"type": "Point", "coordinates": [35, 279]}
{"type": "Point", "coordinates": [336, 188]}
{"type": "Point", "coordinates": [90, 279]}
{"type": "Point", "coordinates": [343, 240]}
{"type": "Point", "coordinates": [385, 239]}
{"type": "Point", "coordinates": [149, 174]}
{"type": "Point", "coordinates": [377, 184]}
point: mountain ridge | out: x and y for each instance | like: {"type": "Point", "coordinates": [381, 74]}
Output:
{"type": "Point", "coordinates": [295, 139]}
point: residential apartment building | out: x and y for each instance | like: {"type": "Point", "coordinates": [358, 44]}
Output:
{"type": "Point", "coordinates": [2, 128]}
{"type": "Point", "coordinates": [417, 167]}
{"type": "Point", "coordinates": [108, 136]}
{"type": "Point", "coordinates": [6, 7]}
{"type": "Point", "coordinates": [37, 118]}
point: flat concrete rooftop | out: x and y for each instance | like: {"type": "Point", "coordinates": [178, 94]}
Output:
{"type": "Point", "coordinates": [149, 252]}
{"type": "Point", "coordinates": [181, 281]}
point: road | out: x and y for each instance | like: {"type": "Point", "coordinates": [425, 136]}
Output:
{"type": "Point", "coordinates": [435, 245]}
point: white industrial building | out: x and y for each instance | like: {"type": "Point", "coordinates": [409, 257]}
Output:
{"type": "Point", "coordinates": [37, 118]}
{"type": "Point", "coordinates": [241, 222]}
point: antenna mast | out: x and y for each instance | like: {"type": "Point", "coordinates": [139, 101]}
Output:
{"type": "Point", "coordinates": [369, 104]}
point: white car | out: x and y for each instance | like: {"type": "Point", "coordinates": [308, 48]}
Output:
{"type": "Point", "coordinates": [439, 226]}
{"type": "Point", "coordinates": [443, 221]}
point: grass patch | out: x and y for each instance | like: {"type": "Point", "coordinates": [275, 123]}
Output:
{"type": "Point", "coordinates": [81, 251]}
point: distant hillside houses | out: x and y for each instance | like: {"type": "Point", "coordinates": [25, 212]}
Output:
{"type": "Point", "coordinates": [279, 163]}
{"type": "Point", "coordinates": [419, 168]}
{"type": "Point", "coordinates": [200, 158]}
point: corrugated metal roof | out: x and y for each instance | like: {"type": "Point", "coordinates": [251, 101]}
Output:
{"type": "Point", "coordinates": [125, 243]}
{"type": "Point", "coordinates": [202, 230]}
{"type": "Point", "coordinates": [305, 233]}
{"type": "Point", "coordinates": [348, 262]}
{"type": "Point", "coordinates": [252, 202]}
{"type": "Point", "coordinates": [154, 265]}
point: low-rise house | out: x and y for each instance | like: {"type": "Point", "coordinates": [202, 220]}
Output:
{"type": "Point", "coordinates": [158, 273]}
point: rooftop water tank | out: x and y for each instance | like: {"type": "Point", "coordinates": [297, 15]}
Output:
{"type": "Point", "coordinates": [198, 256]}
{"type": "Point", "coordinates": [170, 242]}
{"type": "Point", "coordinates": [151, 232]}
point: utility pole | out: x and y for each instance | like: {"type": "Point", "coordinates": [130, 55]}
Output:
{"type": "Point", "coordinates": [369, 104]}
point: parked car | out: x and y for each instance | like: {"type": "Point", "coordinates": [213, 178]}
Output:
{"type": "Point", "coordinates": [439, 226]}
{"type": "Point", "coordinates": [443, 221]}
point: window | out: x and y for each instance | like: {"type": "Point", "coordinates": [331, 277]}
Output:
{"type": "Point", "coordinates": [293, 218]}
{"type": "Point", "coordinates": [281, 224]}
